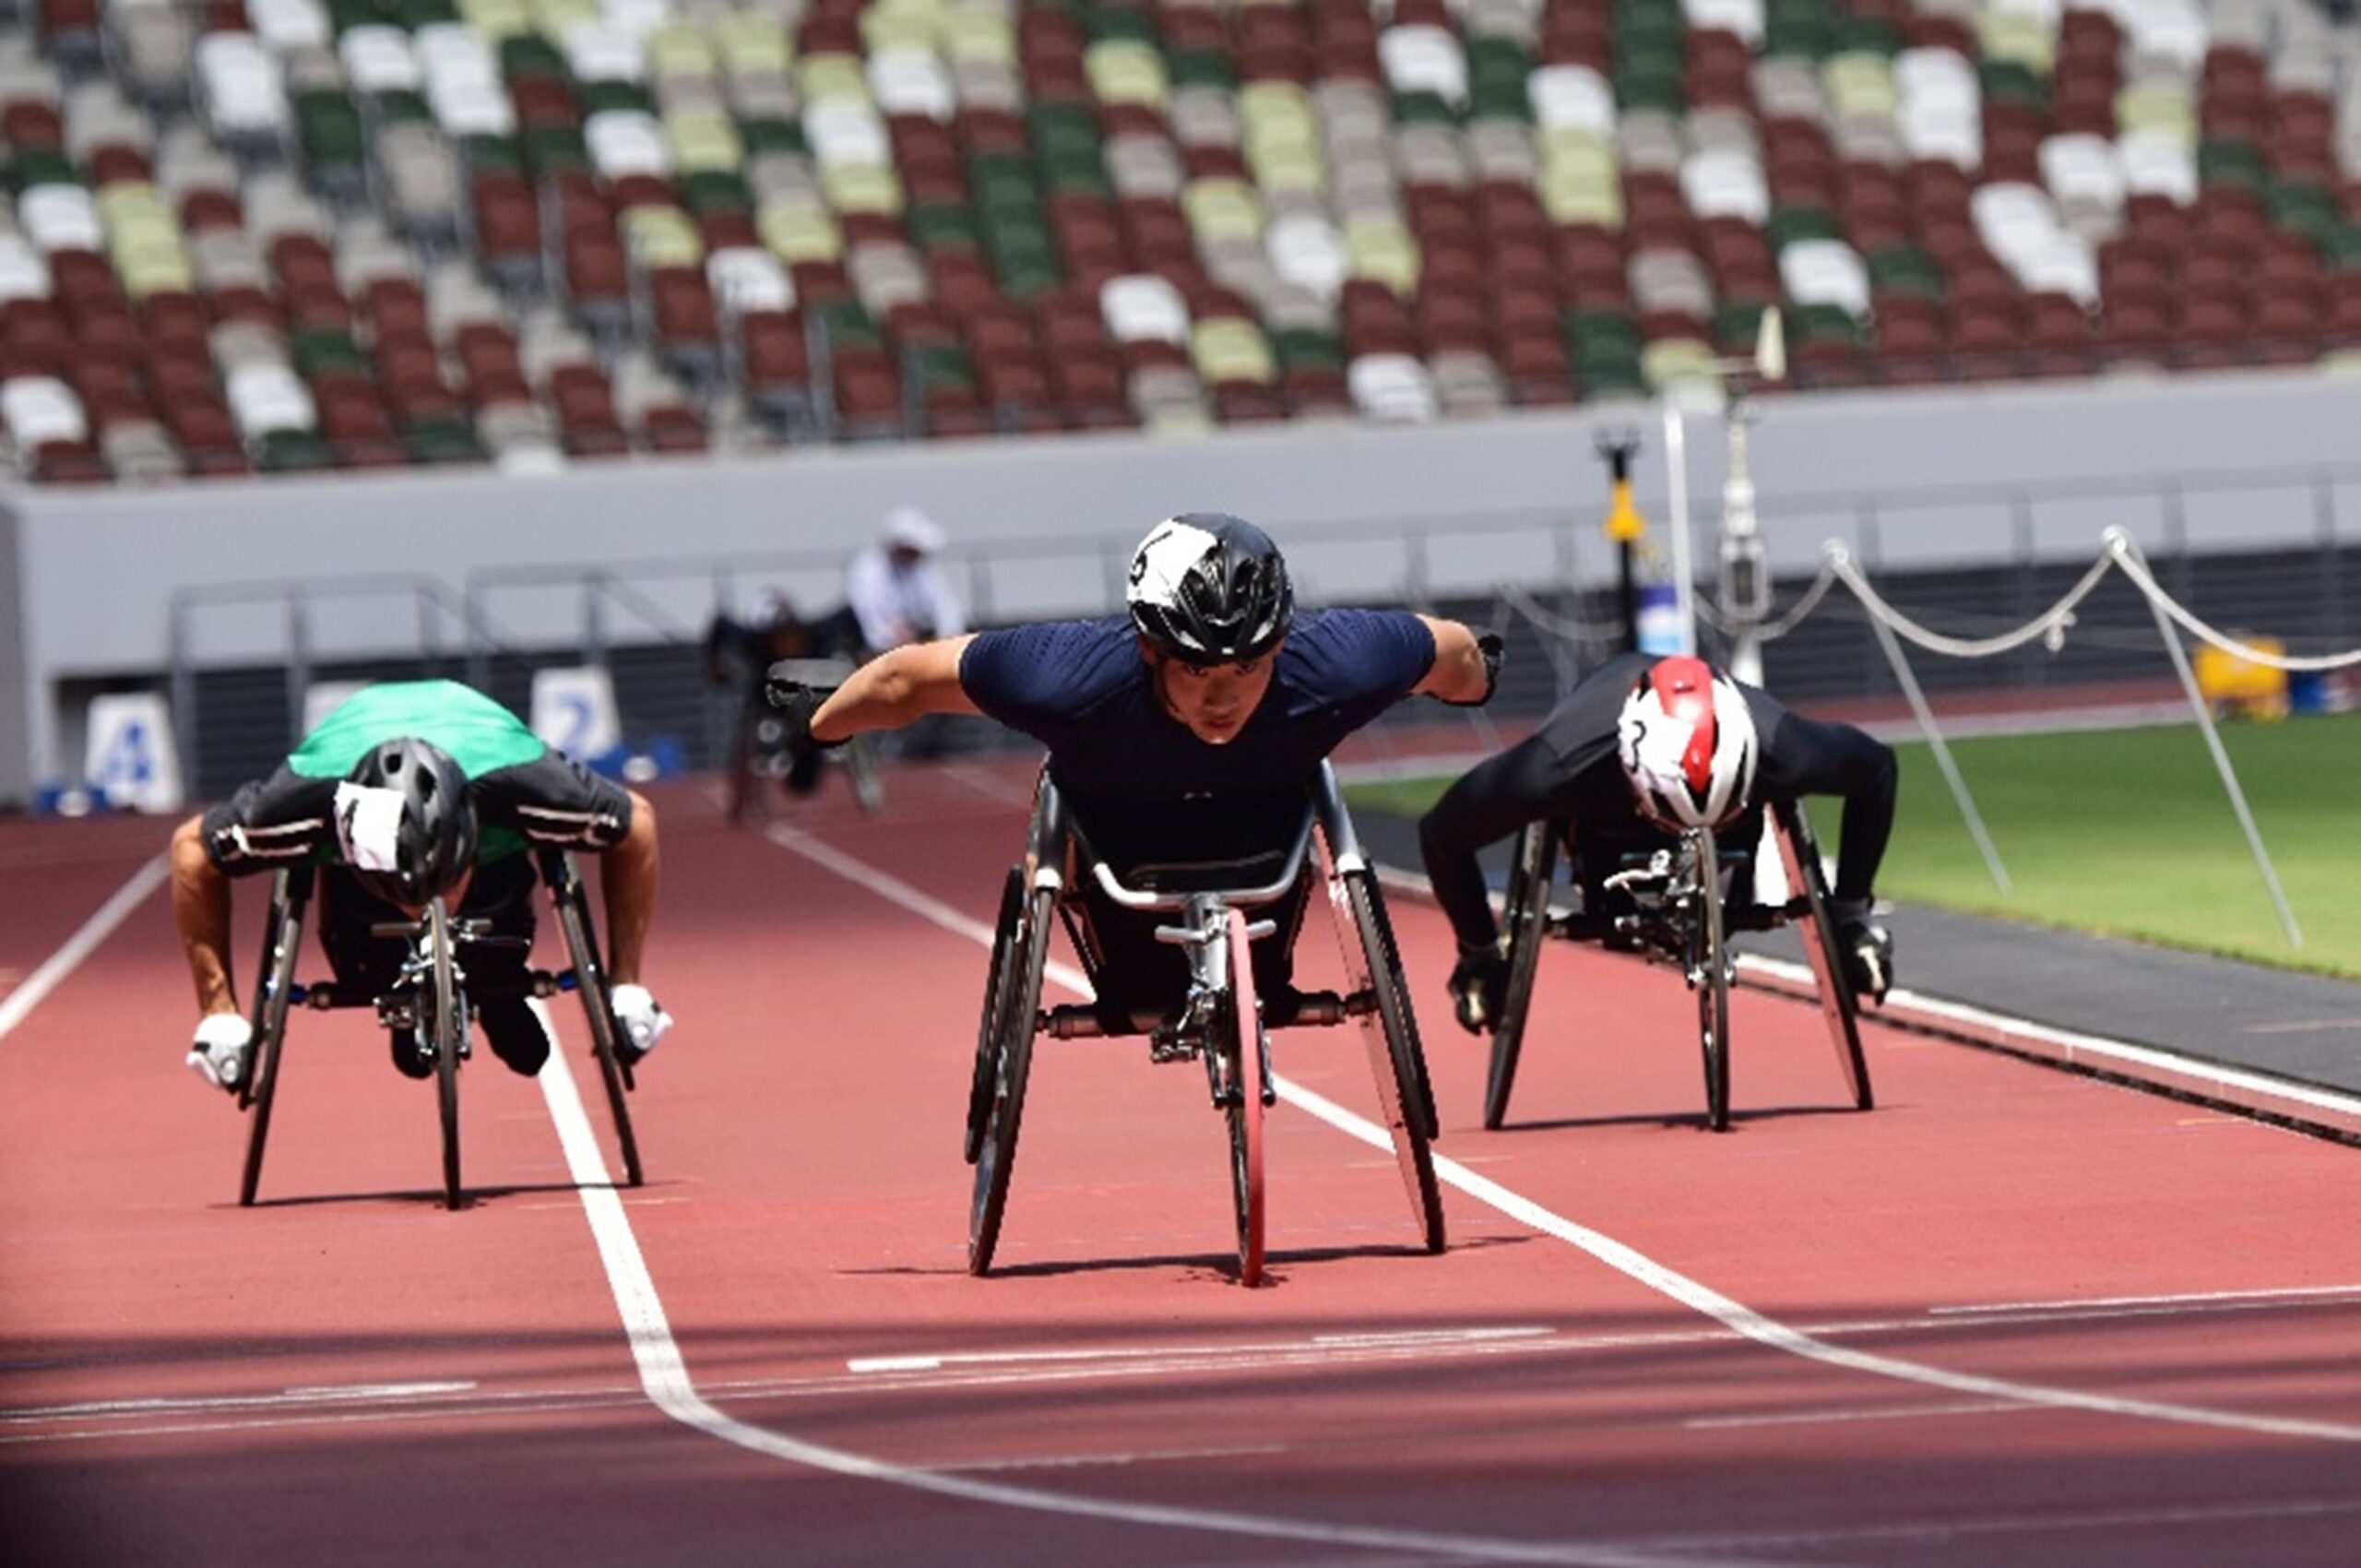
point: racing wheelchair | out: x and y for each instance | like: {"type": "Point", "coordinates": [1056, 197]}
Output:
{"type": "Point", "coordinates": [431, 1002]}
{"type": "Point", "coordinates": [1676, 907]}
{"type": "Point", "coordinates": [1219, 1020]}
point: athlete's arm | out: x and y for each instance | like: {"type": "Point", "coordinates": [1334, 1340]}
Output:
{"type": "Point", "coordinates": [201, 910]}
{"type": "Point", "coordinates": [627, 874]}
{"type": "Point", "coordinates": [1463, 672]}
{"type": "Point", "coordinates": [890, 691]}
{"type": "Point", "coordinates": [1804, 756]}
{"type": "Point", "coordinates": [1495, 799]}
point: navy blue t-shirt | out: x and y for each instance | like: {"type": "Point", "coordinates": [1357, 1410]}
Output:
{"type": "Point", "coordinates": [1147, 790]}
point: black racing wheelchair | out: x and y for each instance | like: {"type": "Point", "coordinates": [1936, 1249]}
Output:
{"type": "Point", "coordinates": [1679, 907]}
{"type": "Point", "coordinates": [1218, 1021]}
{"type": "Point", "coordinates": [432, 1001]}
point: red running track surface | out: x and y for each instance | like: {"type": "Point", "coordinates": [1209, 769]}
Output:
{"type": "Point", "coordinates": [2009, 1316]}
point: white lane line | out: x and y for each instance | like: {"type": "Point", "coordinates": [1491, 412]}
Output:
{"type": "Point", "coordinates": [1863, 1413]}
{"type": "Point", "coordinates": [79, 947]}
{"type": "Point", "coordinates": [664, 1376]}
{"type": "Point", "coordinates": [292, 1399]}
{"type": "Point", "coordinates": [1992, 1522]}
{"type": "Point", "coordinates": [1092, 1461]}
{"type": "Point", "coordinates": [1415, 1340]}
{"type": "Point", "coordinates": [2192, 1298]}
{"type": "Point", "coordinates": [1629, 1260]}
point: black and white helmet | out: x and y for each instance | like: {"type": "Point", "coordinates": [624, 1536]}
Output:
{"type": "Point", "coordinates": [403, 822]}
{"type": "Point", "coordinates": [1210, 589]}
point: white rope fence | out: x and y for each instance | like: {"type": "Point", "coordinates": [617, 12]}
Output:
{"type": "Point", "coordinates": [2118, 552]}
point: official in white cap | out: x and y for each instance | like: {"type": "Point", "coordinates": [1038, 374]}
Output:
{"type": "Point", "coordinates": [895, 588]}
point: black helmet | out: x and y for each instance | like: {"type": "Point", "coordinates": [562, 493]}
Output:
{"type": "Point", "coordinates": [433, 841]}
{"type": "Point", "coordinates": [1210, 589]}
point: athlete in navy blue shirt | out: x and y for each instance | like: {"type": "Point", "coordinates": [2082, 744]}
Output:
{"type": "Point", "coordinates": [1191, 729]}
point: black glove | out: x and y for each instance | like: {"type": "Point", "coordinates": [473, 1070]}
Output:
{"type": "Point", "coordinates": [789, 687]}
{"type": "Point", "coordinates": [1479, 982]}
{"type": "Point", "coordinates": [1491, 649]}
{"type": "Point", "coordinates": [1866, 949]}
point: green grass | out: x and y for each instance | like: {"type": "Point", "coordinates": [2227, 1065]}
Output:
{"type": "Point", "coordinates": [2128, 833]}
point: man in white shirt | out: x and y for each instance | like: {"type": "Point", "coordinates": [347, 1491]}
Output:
{"type": "Point", "coordinates": [894, 588]}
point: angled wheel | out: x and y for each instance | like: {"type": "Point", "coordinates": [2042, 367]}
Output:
{"type": "Point", "coordinates": [1242, 1046]}
{"type": "Point", "coordinates": [1709, 977]}
{"type": "Point", "coordinates": [1800, 850]}
{"type": "Point", "coordinates": [573, 905]}
{"type": "Point", "coordinates": [1014, 1009]}
{"type": "Point", "coordinates": [1524, 924]}
{"type": "Point", "coordinates": [266, 1016]}
{"type": "Point", "coordinates": [443, 1025]}
{"type": "Point", "coordinates": [1390, 1031]}
{"type": "Point", "coordinates": [980, 1083]}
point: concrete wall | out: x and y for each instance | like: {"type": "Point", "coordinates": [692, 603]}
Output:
{"type": "Point", "coordinates": [1042, 526]}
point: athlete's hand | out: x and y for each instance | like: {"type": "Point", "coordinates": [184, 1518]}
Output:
{"type": "Point", "coordinates": [220, 1050]}
{"type": "Point", "coordinates": [1866, 949]}
{"type": "Point", "coordinates": [642, 1019]}
{"type": "Point", "coordinates": [797, 687]}
{"type": "Point", "coordinates": [1479, 984]}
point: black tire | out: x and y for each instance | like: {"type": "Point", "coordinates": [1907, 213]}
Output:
{"type": "Point", "coordinates": [444, 1017]}
{"type": "Point", "coordinates": [1711, 984]}
{"type": "Point", "coordinates": [1242, 1046]}
{"type": "Point", "coordinates": [1837, 1003]}
{"type": "Point", "coordinates": [1019, 1005]}
{"type": "Point", "coordinates": [266, 1018]}
{"type": "Point", "coordinates": [979, 1082]}
{"type": "Point", "coordinates": [565, 879]}
{"type": "Point", "coordinates": [1392, 1035]}
{"type": "Point", "coordinates": [1525, 922]}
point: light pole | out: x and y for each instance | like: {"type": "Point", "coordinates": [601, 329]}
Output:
{"type": "Point", "coordinates": [1743, 594]}
{"type": "Point", "coordinates": [1624, 526]}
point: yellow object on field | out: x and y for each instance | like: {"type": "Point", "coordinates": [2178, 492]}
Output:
{"type": "Point", "coordinates": [2242, 686]}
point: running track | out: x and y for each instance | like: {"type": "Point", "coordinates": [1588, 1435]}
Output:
{"type": "Point", "coordinates": [2011, 1316]}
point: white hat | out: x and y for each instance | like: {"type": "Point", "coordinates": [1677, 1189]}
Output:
{"type": "Point", "coordinates": [907, 527]}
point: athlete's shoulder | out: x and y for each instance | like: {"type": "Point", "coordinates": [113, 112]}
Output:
{"type": "Point", "coordinates": [1343, 653]}
{"type": "Point", "coordinates": [1066, 666]}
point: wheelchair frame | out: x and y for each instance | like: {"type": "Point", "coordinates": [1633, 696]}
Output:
{"type": "Point", "coordinates": [430, 1000]}
{"type": "Point", "coordinates": [1674, 923]}
{"type": "Point", "coordinates": [1219, 1020]}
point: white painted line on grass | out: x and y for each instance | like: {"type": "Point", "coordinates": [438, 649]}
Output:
{"type": "Point", "coordinates": [1629, 1260]}
{"type": "Point", "coordinates": [79, 947]}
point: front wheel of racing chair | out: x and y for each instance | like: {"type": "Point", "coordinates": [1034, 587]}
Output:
{"type": "Point", "coordinates": [1243, 1048]}
{"type": "Point", "coordinates": [572, 902]}
{"type": "Point", "coordinates": [1525, 923]}
{"type": "Point", "coordinates": [1799, 851]}
{"type": "Point", "coordinates": [1005, 1055]}
{"type": "Point", "coordinates": [282, 937]}
{"type": "Point", "coordinates": [1709, 972]}
{"type": "Point", "coordinates": [442, 1026]}
{"type": "Point", "coordinates": [1389, 1028]}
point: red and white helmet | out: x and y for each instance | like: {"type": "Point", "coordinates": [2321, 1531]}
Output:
{"type": "Point", "coordinates": [1686, 743]}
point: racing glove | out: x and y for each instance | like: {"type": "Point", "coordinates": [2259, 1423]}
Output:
{"type": "Point", "coordinates": [219, 1053]}
{"type": "Point", "coordinates": [1866, 949]}
{"type": "Point", "coordinates": [642, 1021]}
{"type": "Point", "coordinates": [794, 687]}
{"type": "Point", "coordinates": [1479, 984]}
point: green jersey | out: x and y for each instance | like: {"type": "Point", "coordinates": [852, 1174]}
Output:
{"type": "Point", "coordinates": [477, 733]}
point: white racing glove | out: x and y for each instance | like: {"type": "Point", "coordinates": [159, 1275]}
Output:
{"type": "Point", "coordinates": [643, 1021]}
{"type": "Point", "coordinates": [219, 1053]}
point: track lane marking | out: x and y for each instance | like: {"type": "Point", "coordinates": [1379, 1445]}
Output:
{"type": "Point", "coordinates": [81, 945]}
{"type": "Point", "coordinates": [664, 1378]}
{"type": "Point", "coordinates": [1624, 1259]}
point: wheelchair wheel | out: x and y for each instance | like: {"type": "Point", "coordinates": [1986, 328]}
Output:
{"type": "Point", "coordinates": [1525, 922]}
{"type": "Point", "coordinates": [868, 782]}
{"type": "Point", "coordinates": [1710, 978]}
{"type": "Point", "coordinates": [1391, 1033]}
{"type": "Point", "coordinates": [1800, 849]}
{"type": "Point", "coordinates": [266, 1016]}
{"type": "Point", "coordinates": [1242, 1046]}
{"type": "Point", "coordinates": [980, 1083]}
{"type": "Point", "coordinates": [444, 1021]}
{"type": "Point", "coordinates": [1015, 1006]}
{"type": "Point", "coordinates": [573, 905]}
